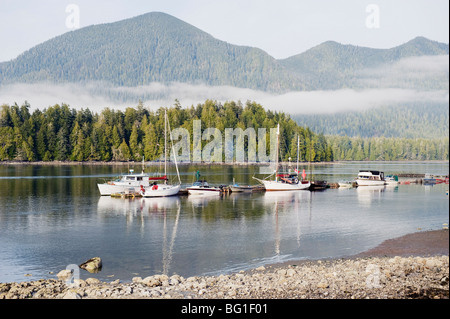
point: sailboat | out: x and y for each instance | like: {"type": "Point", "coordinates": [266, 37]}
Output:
{"type": "Point", "coordinates": [285, 181]}
{"type": "Point", "coordinates": [159, 186]}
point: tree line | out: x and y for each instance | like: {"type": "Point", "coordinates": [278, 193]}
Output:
{"type": "Point", "coordinates": [61, 133]}
{"type": "Point", "coordinates": [388, 148]}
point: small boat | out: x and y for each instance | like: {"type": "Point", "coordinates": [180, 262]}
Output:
{"type": "Point", "coordinates": [201, 187]}
{"type": "Point", "coordinates": [391, 180]}
{"type": "Point", "coordinates": [318, 185]}
{"type": "Point", "coordinates": [429, 179]}
{"type": "Point", "coordinates": [235, 188]}
{"type": "Point", "coordinates": [370, 178]}
{"type": "Point", "coordinates": [345, 184]}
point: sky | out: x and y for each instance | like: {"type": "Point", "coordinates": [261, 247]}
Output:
{"type": "Point", "coordinates": [282, 28]}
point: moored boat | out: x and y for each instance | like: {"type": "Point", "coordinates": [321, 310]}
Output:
{"type": "Point", "coordinates": [201, 187]}
{"type": "Point", "coordinates": [164, 188]}
{"type": "Point", "coordinates": [391, 180]}
{"type": "Point", "coordinates": [370, 178]}
{"type": "Point", "coordinates": [285, 181]}
{"type": "Point", "coordinates": [125, 183]}
{"type": "Point", "coordinates": [345, 184]}
{"type": "Point", "coordinates": [159, 189]}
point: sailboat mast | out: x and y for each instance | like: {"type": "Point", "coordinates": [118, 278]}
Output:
{"type": "Point", "coordinates": [165, 142]}
{"type": "Point", "coordinates": [298, 150]}
{"type": "Point", "coordinates": [276, 158]}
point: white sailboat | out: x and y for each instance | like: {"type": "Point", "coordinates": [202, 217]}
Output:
{"type": "Point", "coordinates": [285, 182]}
{"type": "Point", "coordinates": [159, 186]}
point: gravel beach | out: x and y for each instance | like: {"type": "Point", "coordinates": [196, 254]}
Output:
{"type": "Point", "coordinates": [415, 266]}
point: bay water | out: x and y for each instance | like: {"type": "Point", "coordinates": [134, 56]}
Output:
{"type": "Point", "coordinates": [52, 216]}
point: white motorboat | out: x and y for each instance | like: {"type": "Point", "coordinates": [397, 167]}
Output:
{"type": "Point", "coordinates": [201, 187]}
{"type": "Point", "coordinates": [126, 183]}
{"type": "Point", "coordinates": [370, 178]}
{"type": "Point", "coordinates": [286, 181]}
{"type": "Point", "coordinates": [391, 180]}
{"type": "Point", "coordinates": [345, 184]}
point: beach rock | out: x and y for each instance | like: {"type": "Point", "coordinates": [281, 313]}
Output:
{"type": "Point", "coordinates": [92, 265]}
{"type": "Point", "coordinates": [377, 278]}
{"type": "Point", "coordinates": [92, 281]}
{"type": "Point", "coordinates": [64, 274]}
{"type": "Point", "coordinates": [151, 281]}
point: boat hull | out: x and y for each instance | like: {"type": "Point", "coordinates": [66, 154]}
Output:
{"type": "Point", "coordinates": [204, 191]}
{"type": "Point", "coordinates": [161, 191]}
{"type": "Point", "coordinates": [280, 186]}
{"type": "Point", "coordinates": [369, 182]}
{"type": "Point", "coordinates": [109, 189]}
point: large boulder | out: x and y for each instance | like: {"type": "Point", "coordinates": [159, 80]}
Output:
{"type": "Point", "coordinates": [92, 265]}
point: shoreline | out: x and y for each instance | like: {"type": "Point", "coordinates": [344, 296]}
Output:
{"type": "Point", "coordinates": [153, 163]}
{"type": "Point", "coordinates": [424, 244]}
{"type": "Point", "coordinates": [414, 266]}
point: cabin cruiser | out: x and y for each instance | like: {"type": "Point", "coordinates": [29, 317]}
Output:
{"type": "Point", "coordinates": [370, 178]}
{"type": "Point", "coordinates": [127, 182]}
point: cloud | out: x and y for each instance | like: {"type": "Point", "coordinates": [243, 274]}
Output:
{"type": "Point", "coordinates": [416, 79]}
{"type": "Point", "coordinates": [97, 96]}
{"type": "Point", "coordinates": [413, 72]}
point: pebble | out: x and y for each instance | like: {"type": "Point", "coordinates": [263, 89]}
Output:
{"type": "Point", "coordinates": [374, 278]}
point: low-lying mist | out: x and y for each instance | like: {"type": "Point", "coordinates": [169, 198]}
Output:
{"type": "Point", "coordinates": [417, 79]}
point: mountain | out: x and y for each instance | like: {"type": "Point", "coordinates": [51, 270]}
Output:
{"type": "Point", "coordinates": [153, 47]}
{"type": "Point", "coordinates": [412, 120]}
{"type": "Point", "coordinates": [157, 47]}
{"type": "Point", "coordinates": [332, 65]}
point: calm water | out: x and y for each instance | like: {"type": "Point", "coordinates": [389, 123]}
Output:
{"type": "Point", "coordinates": [53, 216]}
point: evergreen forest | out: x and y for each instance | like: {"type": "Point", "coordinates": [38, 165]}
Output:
{"type": "Point", "coordinates": [61, 133]}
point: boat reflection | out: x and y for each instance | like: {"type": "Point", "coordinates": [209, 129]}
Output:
{"type": "Point", "coordinates": [367, 194]}
{"type": "Point", "coordinates": [139, 208]}
{"type": "Point", "coordinates": [118, 206]}
{"type": "Point", "coordinates": [283, 203]}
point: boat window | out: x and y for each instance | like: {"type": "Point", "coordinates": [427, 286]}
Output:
{"type": "Point", "coordinates": [130, 178]}
{"type": "Point", "coordinates": [139, 178]}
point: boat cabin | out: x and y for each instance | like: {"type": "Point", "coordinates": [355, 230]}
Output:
{"type": "Point", "coordinates": [371, 175]}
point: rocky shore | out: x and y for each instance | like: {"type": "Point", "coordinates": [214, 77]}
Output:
{"type": "Point", "coordinates": [368, 276]}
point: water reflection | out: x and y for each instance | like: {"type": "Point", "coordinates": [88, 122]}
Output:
{"type": "Point", "coordinates": [367, 195]}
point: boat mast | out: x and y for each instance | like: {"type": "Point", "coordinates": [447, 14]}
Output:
{"type": "Point", "coordinates": [165, 143]}
{"type": "Point", "coordinates": [276, 158]}
{"type": "Point", "coordinates": [298, 150]}
{"type": "Point", "coordinates": [173, 151]}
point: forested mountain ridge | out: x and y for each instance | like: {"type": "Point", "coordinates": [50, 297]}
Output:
{"type": "Point", "coordinates": [332, 65]}
{"type": "Point", "coordinates": [413, 120]}
{"type": "Point", "coordinates": [157, 47]}
{"type": "Point", "coordinates": [153, 47]}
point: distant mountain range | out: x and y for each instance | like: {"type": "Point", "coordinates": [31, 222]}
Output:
{"type": "Point", "coordinates": [157, 47]}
